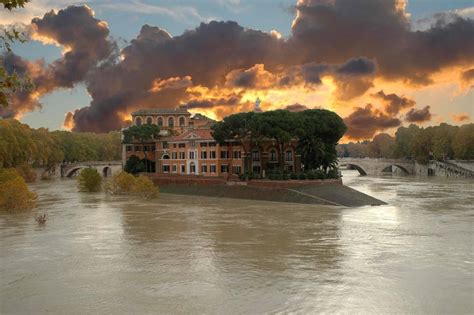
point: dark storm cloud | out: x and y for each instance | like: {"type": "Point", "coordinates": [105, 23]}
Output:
{"type": "Point", "coordinates": [206, 54]}
{"type": "Point", "coordinates": [214, 102]}
{"type": "Point", "coordinates": [334, 31]}
{"type": "Point", "coordinates": [393, 103]}
{"type": "Point", "coordinates": [364, 123]}
{"type": "Point", "coordinates": [418, 115]}
{"type": "Point", "coordinates": [351, 41]}
{"type": "Point", "coordinates": [85, 40]}
{"type": "Point", "coordinates": [467, 76]}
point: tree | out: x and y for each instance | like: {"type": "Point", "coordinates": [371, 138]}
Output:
{"type": "Point", "coordinates": [463, 144]}
{"type": "Point", "coordinates": [90, 180]}
{"type": "Point", "coordinates": [382, 146]}
{"type": "Point", "coordinates": [11, 82]}
{"type": "Point", "coordinates": [134, 165]}
{"type": "Point", "coordinates": [403, 141]}
{"type": "Point", "coordinates": [14, 193]}
{"type": "Point", "coordinates": [443, 139]}
{"type": "Point", "coordinates": [143, 133]}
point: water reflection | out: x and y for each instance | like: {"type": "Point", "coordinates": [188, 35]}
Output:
{"type": "Point", "coordinates": [184, 254]}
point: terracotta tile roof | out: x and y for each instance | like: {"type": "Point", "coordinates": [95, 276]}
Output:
{"type": "Point", "coordinates": [193, 134]}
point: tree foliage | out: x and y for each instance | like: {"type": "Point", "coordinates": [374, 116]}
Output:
{"type": "Point", "coordinates": [443, 142]}
{"type": "Point", "coordinates": [11, 83]}
{"type": "Point", "coordinates": [14, 193]}
{"type": "Point", "coordinates": [124, 183]}
{"type": "Point", "coordinates": [316, 131]}
{"type": "Point", "coordinates": [134, 165]}
{"type": "Point", "coordinates": [90, 180]}
{"type": "Point", "coordinates": [19, 144]}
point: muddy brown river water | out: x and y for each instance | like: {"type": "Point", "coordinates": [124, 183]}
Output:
{"type": "Point", "coordinates": [184, 254]}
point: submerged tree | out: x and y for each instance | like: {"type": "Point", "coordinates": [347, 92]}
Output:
{"type": "Point", "coordinates": [90, 180]}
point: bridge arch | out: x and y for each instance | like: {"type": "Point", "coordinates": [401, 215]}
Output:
{"type": "Point", "coordinates": [73, 171]}
{"type": "Point", "coordinates": [106, 171]}
{"type": "Point", "coordinates": [361, 171]}
{"type": "Point", "coordinates": [388, 168]}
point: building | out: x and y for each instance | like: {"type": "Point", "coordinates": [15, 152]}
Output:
{"type": "Point", "coordinates": [186, 147]}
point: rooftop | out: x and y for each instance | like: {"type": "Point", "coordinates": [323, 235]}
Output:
{"type": "Point", "coordinates": [162, 111]}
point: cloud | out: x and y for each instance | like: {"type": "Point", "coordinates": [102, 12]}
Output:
{"type": "Point", "coordinates": [467, 76]}
{"type": "Point", "coordinates": [85, 41]}
{"type": "Point", "coordinates": [460, 117]}
{"type": "Point", "coordinates": [337, 30]}
{"type": "Point", "coordinates": [184, 14]}
{"type": "Point", "coordinates": [418, 115]}
{"type": "Point", "coordinates": [364, 123]}
{"type": "Point", "coordinates": [393, 103]}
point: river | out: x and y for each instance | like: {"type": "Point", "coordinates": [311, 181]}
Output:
{"type": "Point", "coordinates": [184, 254]}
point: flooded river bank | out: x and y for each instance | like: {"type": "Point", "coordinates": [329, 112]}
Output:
{"type": "Point", "coordinates": [188, 254]}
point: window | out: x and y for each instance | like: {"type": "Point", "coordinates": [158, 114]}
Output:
{"type": "Point", "coordinates": [145, 148]}
{"type": "Point", "coordinates": [224, 154]}
{"type": "Point", "coordinates": [255, 155]}
{"type": "Point", "coordinates": [191, 155]}
{"type": "Point", "coordinates": [171, 122]}
{"type": "Point", "coordinates": [128, 148]}
{"type": "Point", "coordinates": [203, 144]}
{"type": "Point", "coordinates": [237, 155]}
{"type": "Point", "coordinates": [174, 155]}
{"type": "Point", "coordinates": [149, 120]}
{"type": "Point", "coordinates": [273, 155]}
{"type": "Point", "coordinates": [212, 144]}
{"type": "Point", "coordinates": [166, 168]}
{"type": "Point", "coordinates": [182, 122]}
{"type": "Point", "coordinates": [203, 168]}
{"type": "Point", "coordinates": [152, 148]}
{"type": "Point", "coordinates": [213, 168]}
{"type": "Point", "coordinates": [138, 121]}
{"type": "Point", "coordinates": [256, 169]}
{"type": "Point", "coordinates": [165, 145]}
{"type": "Point", "coordinates": [192, 168]}
{"type": "Point", "coordinates": [182, 145]}
{"type": "Point", "coordinates": [183, 169]}
{"type": "Point", "coordinates": [138, 148]}
{"type": "Point", "coordinates": [289, 155]}
{"type": "Point", "coordinates": [182, 156]}
{"type": "Point", "coordinates": [160, 121]}
{"type": "Point", "coordinates": [203, 155]}
{"type": "Point", "coordinates": [224, 168]}
{"type": "Point", "coordinates": [236, 169]}
{"type": "Point", "coordinates": [174, 145]}
{"type": "Point", "coordinates": [212, 154]}
{"type": "Point", "coordinates": [165, 157]}
{"type": "Point", "coordinates": [175, 168]}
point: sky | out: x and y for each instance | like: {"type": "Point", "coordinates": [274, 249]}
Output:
{"type": "Point", "coordinates": [379, 64]}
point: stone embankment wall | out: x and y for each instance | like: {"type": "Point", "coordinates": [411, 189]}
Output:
{"type": "Point", "coordinates": [453, 169]}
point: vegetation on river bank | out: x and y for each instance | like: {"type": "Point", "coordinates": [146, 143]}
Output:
{"type": "Point", "coordinates": [438, 142]}
{"type": "Point", "coordinates": [124, 183]}
{"type": "Point", "coordinates": [14, 193]}
{"type": "Point", "coordinates": [20, 144]}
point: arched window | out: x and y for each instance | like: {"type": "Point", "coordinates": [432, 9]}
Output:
{"type": "Point", "coordinates": [170, 122]}
{"type": "Point", "coordinates": [138, 121]}
{"type": "Point", "coordinates": [273, 155]}
{"type": "Point", "coordinates": [165, 157]}
{"type": "Point", "coordinates": [149, 120]}
{"type": "Point", "coordinates": [160, 121]}
{"type": "Point", "coordinates": [182, 121]}
{"type": "Point", "coordinates": [289, 155]}
{"type": "Point", "coordinates": [255, 155]}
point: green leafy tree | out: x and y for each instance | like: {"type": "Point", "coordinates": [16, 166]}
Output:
{"type": "Point", "coordinates": [134, 165]}
{"type": "Point", "coordinates": [382, 146]}
{"type": "Point", "coordinates": [143, 134]}
{"type": "Point", "coordinates": [463, 145]}
{"type": "Point", "coordinates": [14, 193]}
{"type": "Point", "coordinates": [11, 83]}
{"type": "Point", "coordinates": [90, 180]}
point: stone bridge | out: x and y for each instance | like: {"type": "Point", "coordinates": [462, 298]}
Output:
{"type": "Point", "coordinates": [105, 168]}
{"type": "Point", "coordinates": [369, 166]}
